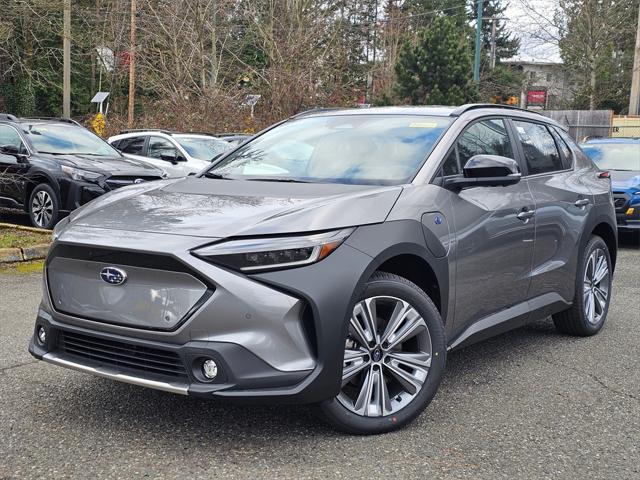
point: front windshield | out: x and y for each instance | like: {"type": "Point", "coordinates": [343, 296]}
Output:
{"type": "Point", "coordinates": [614, 156]}
{"type": "Point", "coordinates": [203, 148]}
{"type": "Point", "coordinates": [355, 149]}
{"type": "Point", "coordinates": [67, 140]}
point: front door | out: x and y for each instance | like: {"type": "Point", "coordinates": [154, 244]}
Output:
{"type": "Point", "coordinates": [494, 232]}
{"type": "Point", "coordinates": [12, 175]}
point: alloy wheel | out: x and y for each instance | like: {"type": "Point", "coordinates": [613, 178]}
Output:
{"type": "Point", "coordinates": [42, 208]}
{"type": "Point", "coordinates": [596, 286]}
{"type": "Point", "coordinates": [387, 357]}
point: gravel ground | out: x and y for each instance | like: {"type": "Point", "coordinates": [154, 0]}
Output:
{"type": "Point", "coordinates": [527, 404]}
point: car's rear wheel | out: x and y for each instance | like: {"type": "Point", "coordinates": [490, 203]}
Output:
{"type": "Point", "coordinates": [43, 206]}
{"type": "Point", "coordinates": [593, 292]}
{"type": "Point", "coordinates": [394, 356]}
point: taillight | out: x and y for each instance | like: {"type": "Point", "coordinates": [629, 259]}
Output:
{"type": "Point", "coordinates": [604, 175]}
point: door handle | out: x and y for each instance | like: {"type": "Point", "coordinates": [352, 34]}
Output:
{"type": "Point", "coordinates": [583, 202]}
{"type": "Point", "coordinates": [525, 214]}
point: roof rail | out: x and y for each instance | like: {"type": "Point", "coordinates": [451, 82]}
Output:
{"type": "Point", "coordinates": [232, 134]}
{"type": "Point", "coordinates": [8, 116]}
{"type": "Point", "coordinates": [56, 119]}
{"type": "Point", "coordinates": [316, 110]}
{"type": "Point", "coordinates": [208, 134]}
{"type": "Point", "coordinates": [475, 106]}
{"type": "Point", "coordinates": [134, 130]}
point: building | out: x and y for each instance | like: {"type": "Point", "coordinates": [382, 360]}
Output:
{"type": "Point", "coordinates": [545, 86]}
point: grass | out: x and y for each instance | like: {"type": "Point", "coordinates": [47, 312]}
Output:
{"type": "Point", "coordinates": [13, 238]}
{"type": "Point", "coordinates": [34, 266]}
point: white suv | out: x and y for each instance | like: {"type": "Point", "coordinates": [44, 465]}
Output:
{"type": "Point", "coordinates": [179, 154]}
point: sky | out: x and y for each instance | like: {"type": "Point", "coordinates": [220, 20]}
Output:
{"type": "Point", "coordinates": [528, 20]}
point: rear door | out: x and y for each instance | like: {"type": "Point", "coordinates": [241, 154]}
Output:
{"type": "Point", "coordinates": [494, 242]}
{"type": "Point", "coordinates": [563, 202]}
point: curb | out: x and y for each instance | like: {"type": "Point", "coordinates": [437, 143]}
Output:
{"type": "Point", "coordinates": [35, 252]}
{"type": "Point", "coordinates": [22, 227]}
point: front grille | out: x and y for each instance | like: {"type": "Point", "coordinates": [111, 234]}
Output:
{"type": "Point", "coordinates": [120, 354]}
{"type": "Point", "coordinates": [123, 181]}
{"type": "Point", "coordinates": [619, 201]}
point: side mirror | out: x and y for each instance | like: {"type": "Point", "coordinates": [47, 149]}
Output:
{"type": "Point", "coordinates": [10, 149]}
{"type": "Point", "coordinates": [486, 171]}
{"type": "Point", "coordinates": [174, 158]}
{"type": "Point", "coordinates": [8, 159]}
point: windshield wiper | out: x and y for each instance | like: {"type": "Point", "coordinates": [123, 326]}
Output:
{"type": "Point", "coordinates": [276, 179]}
{"type": "Point", "coordinates": [217, 176]}
{"type": "Point", "coordinates": [76, 153]}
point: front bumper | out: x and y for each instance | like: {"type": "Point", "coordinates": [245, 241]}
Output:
{"type": "Point", "coordinates": [113, 357]}
{"type": "Point", "coordinates": [275, 336]}
{"type": "Point", "coordinates": [624, 202]}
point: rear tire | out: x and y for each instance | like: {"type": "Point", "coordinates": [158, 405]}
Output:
{"type": "Point", "coordinates": [593, 292]}
{"type": "Point", "coordinates": [43, 206]}
{"type": "Point", "coordinates": [392, 366]}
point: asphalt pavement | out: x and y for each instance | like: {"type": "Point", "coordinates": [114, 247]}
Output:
{"type": "Point", "coordinates": [531, 403]}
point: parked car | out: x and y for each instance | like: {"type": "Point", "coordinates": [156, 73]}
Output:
{"type": "Point", "coordinates": [335, 259]}
{"type": "Point", "coordinates": [52, 166]}
{"type": "Point", "coordinates": [179, 154]}
{"type": "Point", "coordinates": [621, 157]}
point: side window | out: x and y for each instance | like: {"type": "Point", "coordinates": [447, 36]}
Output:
{"type": "Point", "coordinates": [159, 146]}
{"type": "Point", "coordinates": [564, 148]}
{"type": "Point", "coordinates": [451, 166]}
{"type": "Point", "coordinates": [540, 151]}
{"type": "Point", "coordinates": [9, 136]}
{"type": "Point", "coordinates": [134, 145]}
{"type": "Point", "coordinates": [486, 137]}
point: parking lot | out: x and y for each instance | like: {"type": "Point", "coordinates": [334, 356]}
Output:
{"type": "Point", "coordinates": [528, 404]}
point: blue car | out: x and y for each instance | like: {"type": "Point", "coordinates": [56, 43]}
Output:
{"type": "Point", "coordinates": [621, 157]}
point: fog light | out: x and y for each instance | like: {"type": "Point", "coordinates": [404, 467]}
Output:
{"type": "Point", "coordinates": [42, 335]}
{"type": "Point", "coordinates": [631, 211]}
{"type": "Point", "coordinates": [209, 369]}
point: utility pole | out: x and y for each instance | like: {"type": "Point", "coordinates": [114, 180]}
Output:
{"type": "Point", "coordinates": [66, 63]}
{"type": "Point", "coordinates": [476, 63]}
{"type": "Point", "coordinates": [493, 54]}
{"type": "Point", "coordinates": [493, 43]}
{"type": "Point", "coordinates": [132, 64]}
{"type": "Point", "coordinates": [634, 98]}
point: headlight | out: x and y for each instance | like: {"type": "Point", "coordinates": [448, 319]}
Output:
{"type": "Point", "coordinates": [255, 254]}
{"type": "Point", "coordinates": [78, 174]}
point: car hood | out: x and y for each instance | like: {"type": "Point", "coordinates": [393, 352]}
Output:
{"type": "Point", "coordinates": [109, 165]}
{"type": "Point", "coordinates": [225, 208]}
{"type": "Point", "coordinates": [624, 179]}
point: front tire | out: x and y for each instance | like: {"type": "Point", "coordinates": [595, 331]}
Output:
{"type": "Point", "coordinates": [593, 292]}
{"type": "Point", "coordinates": [394, 357]}
{"type": "Point", "coordinates": [43, 206]}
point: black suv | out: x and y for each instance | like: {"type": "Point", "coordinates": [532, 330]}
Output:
{"type": "Point", "coordinates": [49, 166]}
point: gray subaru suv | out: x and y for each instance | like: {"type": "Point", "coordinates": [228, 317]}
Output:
{"type": "Point", "coordinates": [335, 259]}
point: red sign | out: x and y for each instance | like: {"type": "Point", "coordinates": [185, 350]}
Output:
{"type": "Point", "coordinates": [124, 57]}
{"type": "Point", "coordinates": [536, 97]}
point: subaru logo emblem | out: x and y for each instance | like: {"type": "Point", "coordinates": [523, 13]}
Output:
{"type": "Point", "coordinates": [138, 180]}
{"type": "Point", "coordinates": [113, 275]}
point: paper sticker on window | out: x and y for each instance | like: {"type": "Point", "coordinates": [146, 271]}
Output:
{"type": "Point", "coordinates": [423, 125]}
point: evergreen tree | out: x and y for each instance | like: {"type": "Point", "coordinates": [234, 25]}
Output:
{"type": "Point", "coordinates": [437, 70]}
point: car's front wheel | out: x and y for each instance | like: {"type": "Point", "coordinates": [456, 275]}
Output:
{"type": "Point", "coordinates": [43, 206]}
{"type": "Point", "coordinates": [593, 292]}
{"type": "Point", "coordinates": [394, 356]}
